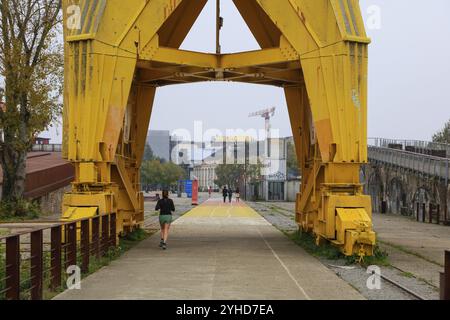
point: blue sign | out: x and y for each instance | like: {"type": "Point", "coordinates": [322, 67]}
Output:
{"type": "Point", "coordinates": [188, 188]}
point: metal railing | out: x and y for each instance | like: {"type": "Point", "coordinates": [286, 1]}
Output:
{"type": "Point", "coordinates": [416, 146]}
{"type": "Point", "coordinates": [47, 148]}
{"type": "Point", "coordinates": [429, 165]}
{"type": "Point", "coordinates": [36, 260]}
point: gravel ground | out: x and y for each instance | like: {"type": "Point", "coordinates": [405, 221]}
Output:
{"type": "Point", "coordinates": [281, 215]}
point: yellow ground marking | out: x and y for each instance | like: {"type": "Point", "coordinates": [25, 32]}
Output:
{"type": "Point", "coordinates": [220, 210]}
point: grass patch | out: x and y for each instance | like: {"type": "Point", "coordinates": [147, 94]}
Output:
{"type": "Point", "coordinates": [380, 257]}
{"type": "Point", "coordinates": [407, 274]}
{"type": "Point", "coordinates": [330, 252]}
{"type": "Point", "coordinates": [403, 249]}
{"type": "Point", "coordinates": [308, 242]}
{"type": "Point", "coordinates": [19, 211]}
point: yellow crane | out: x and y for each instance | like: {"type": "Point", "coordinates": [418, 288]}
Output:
{"type": "Point", "coordinates": [117, 53]}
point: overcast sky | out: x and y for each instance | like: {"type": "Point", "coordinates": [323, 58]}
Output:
{"type": "Point", "coordinates": [409, 75]}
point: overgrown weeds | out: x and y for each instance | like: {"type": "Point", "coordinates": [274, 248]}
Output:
{"type": "Point", "coordinates": [330, 252]}
{"type": "Point", "coordinates": [19, 210]}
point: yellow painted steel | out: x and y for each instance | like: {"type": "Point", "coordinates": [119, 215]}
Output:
{"type": "Point", "coordinates": [78, 213]}
{"type": "Point", "coordinates": [315, 49]}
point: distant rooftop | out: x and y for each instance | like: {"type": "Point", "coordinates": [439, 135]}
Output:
{"type": "Point", "coordinates": [45, 172]}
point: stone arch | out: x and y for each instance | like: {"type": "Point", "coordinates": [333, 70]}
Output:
{"type": "Point", "coordinates": [375, 189]}
{"type": "Point", "coordinates": [421, 201]}
{"type": "Point", "coordinates": [396, 196]}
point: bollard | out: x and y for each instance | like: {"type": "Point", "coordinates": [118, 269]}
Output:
{"type": "Point", "coordinates": [418, 212]}
{"type": "Point", "coordinates": [430, 213]}
{"type": "Point", "coordinates": [438, 214]}
{"type": "Point", "coordinates": [424, 212]}
{"type": "Point", "coordinates": [445, 278]}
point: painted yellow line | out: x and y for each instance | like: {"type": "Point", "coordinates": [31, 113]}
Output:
{"type": "Point", "coordinates": [219, 210]}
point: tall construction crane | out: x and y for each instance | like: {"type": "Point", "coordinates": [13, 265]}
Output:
{"type": "Point", "coordinates": [118, 53]}
{"type": "Point", "coordinates": [267, 114]}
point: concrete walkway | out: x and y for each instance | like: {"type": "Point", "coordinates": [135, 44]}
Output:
{"type": "Point", "coordinates": [216, 251]}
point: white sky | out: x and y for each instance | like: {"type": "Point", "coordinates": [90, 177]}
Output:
{"type": "Point", "coordinates": [409, 76]}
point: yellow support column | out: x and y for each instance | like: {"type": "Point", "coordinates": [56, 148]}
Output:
{"type": "Point", "coordinates": [330, 38]}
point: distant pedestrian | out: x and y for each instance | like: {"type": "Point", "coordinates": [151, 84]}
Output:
{"type": "Point", "coordinates": [166, 207]}
{"type": "Point", "coordinates": [238, 195]}
{"type": "Point", "coordinates": [230, 194]}
{"type": "Point", "coordinates": [210, 191]}
{"type": "Point", "coordinates": [225, 194]}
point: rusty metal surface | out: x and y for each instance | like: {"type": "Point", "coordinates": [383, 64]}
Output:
{"type": "Point", "coordinates": [45, 172]}
{"type": "Point", "coordinates": [56, 257]}
{"type": "Point", "coordinates": [37, 265]}
{"type": "Point", "coordinates": [446, 282]}
{"type": "Point", "coordinates": [12, 267]}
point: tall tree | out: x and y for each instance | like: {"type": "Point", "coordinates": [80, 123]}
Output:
{"type": "Point", "coordinates": [157, 174]}
{"type": "Point", "coordinates": [232, 174]}
{"type": "Point", "coordinates": [31, 65]}
{"type": "Point", "coordinates": [292, 161]}
{"type": "Point", "coordinates": [443, 136]}
{"type": "Point", "coordinates": [148, 153]}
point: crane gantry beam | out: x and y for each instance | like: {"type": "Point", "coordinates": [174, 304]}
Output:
{"type": "Point", "coordinates": [119, 52]}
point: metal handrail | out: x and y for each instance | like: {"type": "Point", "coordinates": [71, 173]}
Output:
{"type": "Point", "coordinates": [418, 146]}
{"type": "Point", "coordinates": [94, 234]}
{"type": "Point", "coordinates": [429, 165]}
{"type": "Point", "coordinates": [46, 148]}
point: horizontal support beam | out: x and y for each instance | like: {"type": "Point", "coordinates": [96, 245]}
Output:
{"type": "Point", "coordinates": [215, 62]}
{"type": "Point", "coordinates": [185, 58]}
{"type": "Point", "coordinates": [255, 58]}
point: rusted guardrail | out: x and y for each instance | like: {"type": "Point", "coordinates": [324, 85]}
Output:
{"type": "Point", "coordinates": [416, 146]}
{"type": "Point", "coordinates": [47, 148]}
{"type": "Point", "coordinates": [445, 278]}
{"type": "Point", "coordinates": [43, 254]}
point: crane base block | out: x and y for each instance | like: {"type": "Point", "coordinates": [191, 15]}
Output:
{"type": "Point", "coordinates": [82, 204]}
{"type": "Point", "coordinates": [354, 231]}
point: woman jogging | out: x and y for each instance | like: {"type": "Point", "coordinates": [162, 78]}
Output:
{"type": "Point", "coordinates": [166, 207]}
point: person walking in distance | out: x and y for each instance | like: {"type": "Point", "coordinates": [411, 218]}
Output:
{"type": "Point", "coordinates": [209, 191]}
{"type": "Point", "coordinates": [166, 207]}
{"type": "Point", "coordinates": [225, 194]}
{"type": "Point", "coordinates": [230, 194]}
{"type": "Point", "coordinates": [238, 195]}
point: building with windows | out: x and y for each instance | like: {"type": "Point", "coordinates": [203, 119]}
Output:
{"type": "Point", "coordinates": [159, 141]}
{"type": "Point", "coordinates": [272, 185]}
{"type": "Point", "coordinates": [202, 158]}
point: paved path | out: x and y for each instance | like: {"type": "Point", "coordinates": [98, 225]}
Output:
{"type": "Point", "coordinates": [425, 239]}
{"type": "Point", "coordinates": [216, 251]}
{"type": "Point", "coordinates": [413, 247]}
